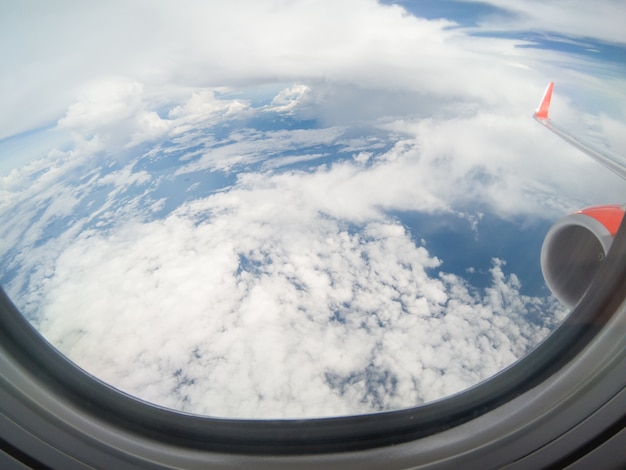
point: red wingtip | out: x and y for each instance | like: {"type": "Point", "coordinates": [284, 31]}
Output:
{"type": "Point", "coordinates": [542, 110]}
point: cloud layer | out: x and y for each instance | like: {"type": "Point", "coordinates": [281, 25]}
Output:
{"type": "Point", "coordinates": [173, 48]}
{"type": "Point", "coordinates": [292, 292]}
{"type": "Point", "coordinates": [266, 309]}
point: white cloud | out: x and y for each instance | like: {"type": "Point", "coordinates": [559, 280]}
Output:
{"type": "Point", "coordinates": [204, 108]}
{"type": "Point", "coordinates": [289, 294]}
{"type": "Point", "coordinates": [251, 146]}
{"type": "Point", "coordinates": [360, 43]}
{"type": "Point", "coordinates": [362, 157]}
{"type": "Point", "coordinates": [105, 102]}
{"type": "Point", "coordinates": [575, 18]}
{"type": "Point", "coordinates": [288, 99]}
{"type": "Point", "coordinates": [265, 309]}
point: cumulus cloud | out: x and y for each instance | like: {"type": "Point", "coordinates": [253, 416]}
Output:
{"type": "Point", "coordinates": [118, 112]}
{"type": "Point", "coordinates": [287, 100]}
{"type": "Point", "coordinates": [203, 108]}
{"type": "Point", "coordinates": [289, 294]}
{"type": "Point", "coordinates": [105, 102]}
{"type": "Point", "coordinates": [269, 309]}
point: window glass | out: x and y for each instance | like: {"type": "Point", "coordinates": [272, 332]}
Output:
{"type": "Point", "coordinates": [297, 209]}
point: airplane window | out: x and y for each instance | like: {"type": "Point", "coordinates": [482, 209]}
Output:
{"type": "Point", "coordinates": [273, 212]}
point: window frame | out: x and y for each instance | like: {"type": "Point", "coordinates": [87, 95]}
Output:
{"type": "Point", "coordinates": [563, 399]}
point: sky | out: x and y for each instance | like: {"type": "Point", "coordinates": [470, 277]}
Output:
{"type": "Point", "coordinates": [249, 209]}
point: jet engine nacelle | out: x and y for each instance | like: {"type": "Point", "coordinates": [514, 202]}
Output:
{"type": "Point", "coordinates": [574, 249]}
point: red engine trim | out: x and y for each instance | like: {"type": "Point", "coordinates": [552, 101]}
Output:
{"type": "Point", "coordinates": [609, 215]}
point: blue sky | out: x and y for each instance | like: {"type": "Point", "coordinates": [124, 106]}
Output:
{"type": "Point", "coordinates": [462, 12]}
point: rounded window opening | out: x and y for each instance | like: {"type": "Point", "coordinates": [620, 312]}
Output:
{"type": "Point", "coordinates": [329, 236]}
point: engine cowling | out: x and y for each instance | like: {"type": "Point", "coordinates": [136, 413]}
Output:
{"type": "Point", "coordinates": [574, 249]}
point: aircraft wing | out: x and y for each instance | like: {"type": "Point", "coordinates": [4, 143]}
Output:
{"type": "Point", "coordinates": [577, 244]}
{"type": "Point", "coordinates": [609, 160]}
